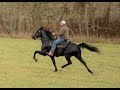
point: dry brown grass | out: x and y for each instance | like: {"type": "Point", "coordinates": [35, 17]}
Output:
{"type": "Point", "coordinates": [95, 39]}
{"type": "Point", "coordinates": [75, 38]}
{"type": "Point", "coordinates": [17, 35]}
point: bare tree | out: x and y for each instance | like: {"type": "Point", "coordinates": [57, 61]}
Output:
{"type": "Point", "coordinates": [107, 15]}
{"type": "Point", "coordinates": [86, 18]}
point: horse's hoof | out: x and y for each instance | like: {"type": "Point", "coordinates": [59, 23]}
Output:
{"type": "Point", "coordinates": [62, 67]}
{"type": "Point", "coordinates": [92, 72]}
{"type": "Point", "coordinates": [55, 71]}
{"type": "Point", "coordinates": [36, 60]}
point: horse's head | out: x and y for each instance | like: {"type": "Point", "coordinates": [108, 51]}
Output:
{"type": "Point", "coordinates": [37, 34]}
{"type": "Point", "coordinates": [42, 32]}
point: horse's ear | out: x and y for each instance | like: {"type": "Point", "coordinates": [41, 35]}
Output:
{"type": "Point", "coordinates": [41, 27]}
{"type": "Point", "coordinates": [33, 32]}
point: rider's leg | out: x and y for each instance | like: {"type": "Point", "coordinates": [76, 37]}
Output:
{"type": "Point", "coordinates": [57, 41]}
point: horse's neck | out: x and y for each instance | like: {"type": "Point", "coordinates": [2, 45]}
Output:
{"type": "Point", "coordinates": [45, 38]}
{"type": "Point", "coordinates": [45, 42]}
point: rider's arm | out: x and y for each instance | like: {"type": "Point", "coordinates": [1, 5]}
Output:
{"type": "Point", "coordinates": [60, 33]}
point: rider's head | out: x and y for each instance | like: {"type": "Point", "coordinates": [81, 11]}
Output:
{"type": "Point", "coordinates": [62, 23]}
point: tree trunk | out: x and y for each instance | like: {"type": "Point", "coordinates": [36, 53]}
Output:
{"type": "Point", "coordinates": [86, 18]}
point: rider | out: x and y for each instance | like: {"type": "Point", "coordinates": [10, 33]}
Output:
{"type": "Point", "coordinates": [62, 34]}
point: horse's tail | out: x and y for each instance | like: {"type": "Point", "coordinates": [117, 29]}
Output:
{"type": "Point", "coordinates": [89, 47]}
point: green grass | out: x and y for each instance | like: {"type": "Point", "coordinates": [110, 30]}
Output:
{"type": "Point", "coordinates": [18, 69]}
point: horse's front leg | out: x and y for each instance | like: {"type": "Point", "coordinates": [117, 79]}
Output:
{"type": "Point", "coordinates": [39, 52]}
{"type": "Point", "coordinates": [54, 63]}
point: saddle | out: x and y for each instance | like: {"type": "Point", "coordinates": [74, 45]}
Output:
{"type": "Point", "coordinates": [63, 44]}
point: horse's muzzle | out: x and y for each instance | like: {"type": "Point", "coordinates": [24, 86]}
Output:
{"type": "Point", "coordinates": [33, 37]}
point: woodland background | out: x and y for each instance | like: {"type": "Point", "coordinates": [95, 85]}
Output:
{"type": "Point", "coordinates": [86, 19]}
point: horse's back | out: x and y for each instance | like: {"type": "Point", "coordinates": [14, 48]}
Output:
{"type": "Point", "coordinates": [71, 48]}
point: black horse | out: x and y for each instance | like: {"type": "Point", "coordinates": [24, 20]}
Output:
{"type": "Point", "coordinates": [71, 49]}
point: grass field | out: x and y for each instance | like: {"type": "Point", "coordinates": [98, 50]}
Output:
{"type": "Point", "coordinates": [18, 69]}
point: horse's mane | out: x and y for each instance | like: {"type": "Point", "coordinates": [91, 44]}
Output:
{"type": "Point", "coordinates": [49, 34]}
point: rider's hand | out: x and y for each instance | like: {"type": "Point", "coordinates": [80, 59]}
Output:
{"type": "Point", "coordinates": [53, 33]}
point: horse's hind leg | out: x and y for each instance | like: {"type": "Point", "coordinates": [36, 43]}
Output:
{"type": "Point", "coordinates": [83, 62]}
{"type": "Point", "coordinates": [68, 60]}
